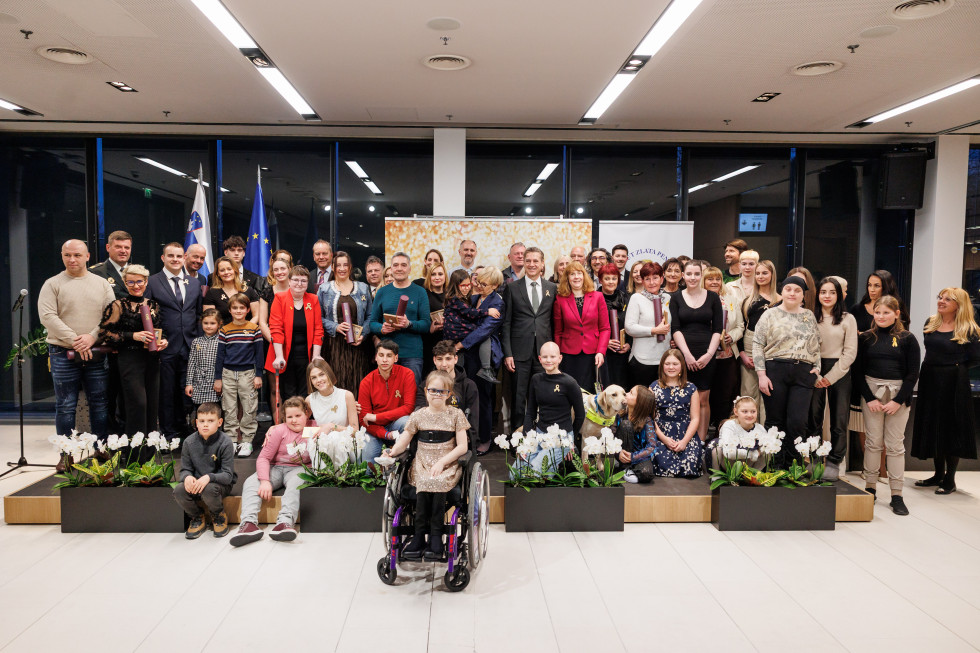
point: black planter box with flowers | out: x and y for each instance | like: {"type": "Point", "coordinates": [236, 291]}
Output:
{"type": "Point", "coordinates": [550, 509]}
{"type": "Point", "coordinates": [340, 510]}
{"type": "Point", "coordinates": [120, 510]}
{"type": "Point", "coordinates": [753, 508]}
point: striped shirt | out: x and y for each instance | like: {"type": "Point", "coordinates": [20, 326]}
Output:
{"type": "Point", "coordinates": [200, 369]}
{"type": "Point", "coordinates": [239, 349]}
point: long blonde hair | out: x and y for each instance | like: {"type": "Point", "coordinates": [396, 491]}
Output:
{"type": "Point", "coordinates": [965, 327]}
{"type": "Point", "coordinates": [757, 291]}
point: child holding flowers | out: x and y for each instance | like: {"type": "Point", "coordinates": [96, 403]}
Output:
{"type": "Point", "coordinates": [441, 431]}
{"type": "Point", "coordinates": [278, 465]}
{"type": "Point", "coordinates": [678, 451]}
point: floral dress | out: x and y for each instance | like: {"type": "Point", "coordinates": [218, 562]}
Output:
{"type": "Point", "coordinates": [673, 418]}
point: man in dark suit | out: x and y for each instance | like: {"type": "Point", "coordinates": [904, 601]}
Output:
{"type": "Point", "coordinates": [323, 257]}
{"type": "Point", "coordinates": [180, 302]}
{"type": "Point", "coordinates": [119, 247]}
{"type": "Point", "coordinates": [527, 326]}
{"type": "Point", "coordinates": [234, 247]}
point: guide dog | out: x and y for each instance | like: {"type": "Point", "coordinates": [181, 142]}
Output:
{"type": "Point", "coordinates": [601, 409]}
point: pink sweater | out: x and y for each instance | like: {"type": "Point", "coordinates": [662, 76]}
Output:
{"type": "Point", "coordinates": [274, 450]}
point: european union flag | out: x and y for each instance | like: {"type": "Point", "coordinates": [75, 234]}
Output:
{"type": "Point", "coordinates": [258, 249]}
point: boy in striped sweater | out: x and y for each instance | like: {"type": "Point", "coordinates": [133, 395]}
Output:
{"type": "Point", "coordinates": [238, 372]}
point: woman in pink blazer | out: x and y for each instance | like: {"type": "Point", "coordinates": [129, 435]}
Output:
{"type": "Point", "coordinates": [581, 326]}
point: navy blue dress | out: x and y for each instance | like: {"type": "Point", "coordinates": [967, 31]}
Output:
{"type": "Point", "coordinates": [673, 418]}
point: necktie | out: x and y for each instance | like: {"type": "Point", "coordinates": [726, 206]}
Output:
{"type": "Point", "coordinates": [176, 281]}
{"type": "Point", "coordinates": [535, 298]}
{"type": "Point", "coordinates": [320, 279]}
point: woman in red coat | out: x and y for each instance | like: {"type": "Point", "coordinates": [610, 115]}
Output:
{"type": "Point", "coordinates": [581, 326]}
{"type": "Point", "coordinates": [297, 333]}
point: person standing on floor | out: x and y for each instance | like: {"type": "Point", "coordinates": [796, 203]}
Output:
{"type": "Point", "coordinates": [297, 334]}
{"type": "Point", "coordinates": [581, 326]}
{"type": "Point", "coordinates": [350, 360]}
{"type": "Point", "coordinates": [944, 421]}
{"type": "Point", "coordinates": [238, 373]}
{"type": "Point", "coordinates": [644, 327]}
{"type": "Point", "coordinates": [323, 258]}
{"type": "Point", "coordinates": [763, 296]}
{"type": "Point", "coordinates": [887, 368]}
{"type": "Point", "coordinates": [404, 329]}
{"type": "Point", "coordinates": [786, 353]}
{"type": "Point", "coordinates": [838, 349]}
{"type": "Point", "coordinates": [733, 251]}
{"type": "Point", "coordinates": [200, 363]}
{"type": "Point", "coordinates": [616, 369]}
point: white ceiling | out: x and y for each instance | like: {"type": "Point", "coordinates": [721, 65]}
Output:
{"type": "Point", "coordinates": [536, 65]}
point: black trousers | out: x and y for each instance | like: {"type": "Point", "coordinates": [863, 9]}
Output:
{"type": "Point", "coordinates": [116, 417]}
{"type": "Point", "coordinates": [523, 371]}
{"type": "Point", "coordinates": [486, 393]}
{"type": "Point", "coordinates": [580, 367]}
{"type": "Point", "coordinates": [292, 380]}
{"type": "Point", "coordinates": [139, 380]}
{"type": "Point", "coordinates": [211, 497]}
{"type": "Point", "coordinates": [430, 513]}
{"type": "Point", "coordinates": [839, 396]}
{"type": "Point", "coordinates": [788, 403]}
{"type": "Point", "coordinates": [640, 374]}
{"type": "Point", "coordinates": [173, 410]}
{"type": "Point", "coordinates": [615, 370]}
{"type": "Point", "coordinates": [724, 389]}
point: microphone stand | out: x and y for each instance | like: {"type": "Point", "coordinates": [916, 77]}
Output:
{"type": "Point", "coordinates": [22, 461]}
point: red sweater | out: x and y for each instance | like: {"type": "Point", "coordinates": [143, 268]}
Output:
{"type": "Point", "coordinates": [387, 399]}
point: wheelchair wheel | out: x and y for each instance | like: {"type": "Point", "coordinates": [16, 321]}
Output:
{"type": "Point", "coordinates": [456, 581]}
{"type": "Point", "coordinates": [478, 517]}
{"type": "Point", "coordinates": [386, 572]}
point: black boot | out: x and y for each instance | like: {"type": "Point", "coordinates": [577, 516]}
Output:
{"type": "Point", "coordinates": [423, 512]}
{"type": "Point", "coordinates": [436, 521]}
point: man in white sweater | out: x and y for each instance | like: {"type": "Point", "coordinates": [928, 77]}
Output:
{"type": "Point", "coordinates": [70, 306]}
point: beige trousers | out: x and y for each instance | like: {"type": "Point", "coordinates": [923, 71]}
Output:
{"type": "Point", "coordinates": [239, 387]}
{"type": "Point", "coordinates": [750, 378]}
{"type": "Point", "coordinates": [884, 431]}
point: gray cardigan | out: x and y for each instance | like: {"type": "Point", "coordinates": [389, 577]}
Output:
{"type": "Point", "coordinates": [214, 457]}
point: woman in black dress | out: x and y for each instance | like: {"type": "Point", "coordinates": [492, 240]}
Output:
{"type": "Point", "coordinates": [944, 424]}
{"type": "Point", "coordinates": [139, 368]}
{"type": "Point", "coordinates": [696, 322]}
{"type": "Point", "coordinates": [227, 282]}
{"type": "Point", "coordinates": [616, 369]}
{"type": "Point", "coordinates": [434, 281]}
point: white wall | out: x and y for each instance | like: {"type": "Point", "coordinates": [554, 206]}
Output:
{"type": "Point", "coordinates": [449, 172]}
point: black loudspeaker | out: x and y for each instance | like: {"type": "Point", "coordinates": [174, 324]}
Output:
{"type": "Point", "coordinates": [902, 180]}
{"type": "Point", "coordinates": [838, 192]}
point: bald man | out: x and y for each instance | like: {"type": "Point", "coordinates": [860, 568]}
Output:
{"type": "Point", "coordinates": [194, 259]}
{"type": "Point", "coordinates": [70, 306]}
{"type": "Point", "coordinates": [578, 255]}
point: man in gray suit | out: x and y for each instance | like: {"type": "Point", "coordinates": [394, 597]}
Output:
{"type": "Point", "coordinates": [527, 326]}
{"type": "Point", "coordinates": [119, 245]}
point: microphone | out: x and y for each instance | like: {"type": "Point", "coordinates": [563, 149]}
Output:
{"type": "Point", "coordinates": [20, 301]}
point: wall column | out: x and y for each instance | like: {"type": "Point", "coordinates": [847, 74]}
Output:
{"type": "Point", "coordinates": [937, 250]}
{"type": "Point", "coordinates": [449, 172]}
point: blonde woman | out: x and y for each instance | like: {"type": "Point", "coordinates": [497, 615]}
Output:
{"type": "Point", "coordinates": [727, 383]}
{"type": "Point", "coordinates": [944, 425]}
{"type": "Point", "coordinates": [560, 264]}
{"type": "Point", "coordinates": [763, 294]}
{"type": "Point", "coordinates": [635, 282]}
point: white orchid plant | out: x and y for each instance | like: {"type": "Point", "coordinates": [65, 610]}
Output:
{"type": "Point", "coordinates": [335, 461]}
{"type": "Point", "coordinates": [561, 465]}
{"type": "Point", "coordinates": [736, 448]}
{"type": "Point", "coordinates": [90, 471]}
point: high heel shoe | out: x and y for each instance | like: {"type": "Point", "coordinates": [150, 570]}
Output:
{"type": "Point", "coordinates": [933, 481]}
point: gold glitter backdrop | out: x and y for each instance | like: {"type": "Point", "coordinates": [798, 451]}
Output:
{"type": "Point", "coordinates": [493, 237]}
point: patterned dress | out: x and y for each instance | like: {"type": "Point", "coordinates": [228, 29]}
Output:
{"type": "Point", "coordinates": [435, 432]}
{"type": "Point", "coordinates": [673, 418]}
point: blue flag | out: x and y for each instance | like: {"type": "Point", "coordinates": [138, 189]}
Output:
{"type": "Point", "coordinates": [258, 250]}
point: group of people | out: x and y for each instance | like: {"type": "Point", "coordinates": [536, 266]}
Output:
{"type": "Point", "coordinates": [684, 337]}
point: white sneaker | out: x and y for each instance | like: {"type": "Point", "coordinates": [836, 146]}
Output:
{"type": "Point", "coordinates": [630, 477]}
{"type": "Point", "coordinates": [245, 450]}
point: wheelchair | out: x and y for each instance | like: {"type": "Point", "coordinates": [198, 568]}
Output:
{"type": "Point", "coordinates": [465, 533]}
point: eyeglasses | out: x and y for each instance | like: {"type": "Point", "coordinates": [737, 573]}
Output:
{"type": "Point", "coordinates": [136, 284]}
{"type": "Point", "coordinates": [437, 392]}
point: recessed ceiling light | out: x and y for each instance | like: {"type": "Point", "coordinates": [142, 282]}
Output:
{"type": "Point", "coordinates": [580, 210]}
{"type": "Point", "coordinates": [326, 207]}
{"type": "Point", "coordinates": [371, 208]}
{"type": "Point", "coordinates": [528, 209]}
{"type": "Point", "coordinates": [122, 86]}
{"type": "Point", "coordinates": [915, 104]}
{"type": "Point", "coordinates": [698, 187]}
{"type": "Point", "coordinates": [735, 173]}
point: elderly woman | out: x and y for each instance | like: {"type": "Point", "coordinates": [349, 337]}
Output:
{"type": "Point", "coordinates": [225, 284]}
{"type": "Point", "coordinates": [644, 327]}
{"type": "Point", "coordinates": [351, 361]}
{"type": "Point", "coordinates": [122, 329]}
{"type": "Point", "coordinates": [484, 297]}
{"type": "Point", "coordinates": [581, 326]}
{"type": "Point", "coordinates": [295, 321]}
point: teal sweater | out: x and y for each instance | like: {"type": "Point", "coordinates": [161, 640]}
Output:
{"type": "Point", "coordinates": [409, 340]}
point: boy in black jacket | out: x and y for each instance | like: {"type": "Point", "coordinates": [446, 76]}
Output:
{"type": "Point", "coordinates": [465, 395]}
{"type": "Point", "coordinates": [207, 473]}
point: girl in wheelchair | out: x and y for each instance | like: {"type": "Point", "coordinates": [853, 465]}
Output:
{"type": "Point", "coordinates": [440, 431]}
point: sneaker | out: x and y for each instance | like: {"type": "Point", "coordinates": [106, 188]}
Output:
{"type": "Point", "coordinates": [487, 375]}
{"type": "Point", "coordinates": [413, 550]}
{"type": "Point", "coordinates": [264, 416]}
{"type": "Point", "coordinates": [197, 528]}
{"type": "Point", "coordinates": [245, 450]}
{"type": "Point", "coordinates": [247, 533]}
{"type": "Point", "coordinates": [831, 472]}
{"type": "Point", "coordinates": [219, 523]}
{"type": "Point", "coordinates": [283, 532]}
{"type": "Point", "coordinates": [630, 477]}
{"type": "Point", "coordinates": [898, 505]}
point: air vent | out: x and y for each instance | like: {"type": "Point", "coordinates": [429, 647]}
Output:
{"type": "Point", "coordinates": [918, 9]}
{"type": "Point", "coordinates": [447, 62]}
{"type": "Point", "coordinates": [65, 55]}
{"type": "Point", "coordinates": [815, 68]}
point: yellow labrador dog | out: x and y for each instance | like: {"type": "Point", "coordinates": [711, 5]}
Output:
{"type": "Point", "coordinates": [601, 409]}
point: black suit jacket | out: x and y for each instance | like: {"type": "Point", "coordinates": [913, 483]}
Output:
{"type": "Point", "coordinates": [180, 320]}
{"type": "Point", "coordinates": [312, 287]}
{"type": "Point", "coordinates": [524, 330]}
{"type": "Point", "coordinates": [107, 271]}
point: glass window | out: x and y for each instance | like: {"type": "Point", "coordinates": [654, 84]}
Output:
{"type": "Point", "coordinates": [400, 170]}
{"type": "Point", "coordinates": [971, 245]}
{"type": "Point", "coordinates": [514, 179]}
{"type": "Point", "coordinates": [42, 204]}
{"type": "Point", "coordinates": [619, 182]}
{"type": "Point", "coordinates": [296, 190]}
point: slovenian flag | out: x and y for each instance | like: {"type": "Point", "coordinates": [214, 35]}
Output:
{"type": "Point", "coordinates": [199, 226]}
{"type": "Point", "coordinates": [258, 250]}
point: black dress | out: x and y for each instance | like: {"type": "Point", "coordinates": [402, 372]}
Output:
{"type": "Point", "coordinates": [429, 340]}
{"type": "Point", "coordinates": [219, 299]}
{"type": "Point", "coordinates": [944, 422]}
{"type": "Point", "coordinates": [697, 325]}
{"type": "Point", "coordinates": [616, 368]}
{"type": "Point", "coordinates": [864, 319]}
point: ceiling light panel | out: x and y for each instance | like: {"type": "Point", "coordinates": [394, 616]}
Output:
{"type": "Point", "coordinates": [915, 104]}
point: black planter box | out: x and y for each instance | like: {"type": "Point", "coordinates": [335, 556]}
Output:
{"type": "Point", "coordinates": [340, 510]}
{"type": "Point", "coordinates": [120, 510]}
{"type": "Point", "coordinates": [774, 508]}
{"type": "Point", "coordinates": [564, 509]}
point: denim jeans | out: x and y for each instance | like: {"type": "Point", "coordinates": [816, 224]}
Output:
{"type": "Point", "coordinates": [373, 446]}
{"type": "Point", "coordinates": [537, 460]}
{"type": "Point", "coordinates": [414, 364]}
{"type": "Point", "coordinates": [69, 378]}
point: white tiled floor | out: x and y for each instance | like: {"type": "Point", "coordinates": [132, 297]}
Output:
{"type": "Point", "coordinates": [895, 584]}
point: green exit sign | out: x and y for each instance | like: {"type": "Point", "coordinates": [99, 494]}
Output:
{"type": "Point", "coordinates": [147, 193]}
